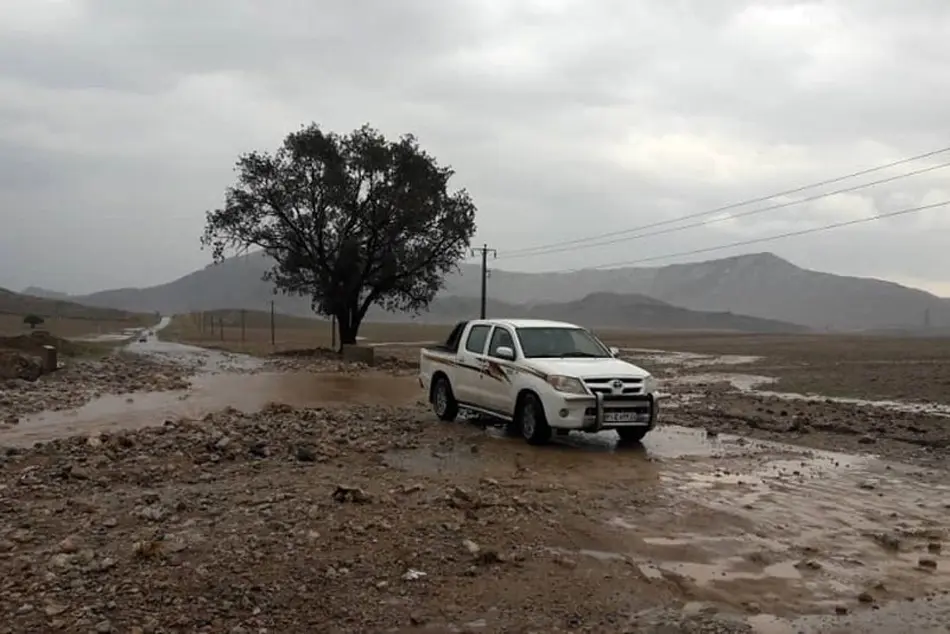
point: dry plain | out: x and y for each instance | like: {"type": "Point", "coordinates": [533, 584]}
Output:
{"type": "Point", "coordinates": [12, 325]}
{"type": "Point", "coordinates": [345, 507]}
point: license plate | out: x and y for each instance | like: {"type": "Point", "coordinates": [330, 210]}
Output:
{"type": "Point", "coordinates": [626, 417]}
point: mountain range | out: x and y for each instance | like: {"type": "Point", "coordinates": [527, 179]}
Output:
{"type": "Point", "coordinates": [22, 304]}
{"type": "Point", "coordinates": [725, 294]}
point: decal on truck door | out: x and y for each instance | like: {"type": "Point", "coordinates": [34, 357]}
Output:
{"type": "Point", "coordinates": [496, 371]}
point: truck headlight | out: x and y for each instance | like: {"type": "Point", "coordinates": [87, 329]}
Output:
{"type": "Point", "coordinates": [650, 384]}
{"type": "Point", "coordinates": [566, 384]}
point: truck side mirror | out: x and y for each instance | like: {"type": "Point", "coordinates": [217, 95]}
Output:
{"type": "Point", "coordinates": [505, 352]}
{"type": "Point", "coordinates": [614, 351]}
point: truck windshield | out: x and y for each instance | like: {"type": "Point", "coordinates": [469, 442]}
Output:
{"type": "Point", "coordinates": [560, 343]}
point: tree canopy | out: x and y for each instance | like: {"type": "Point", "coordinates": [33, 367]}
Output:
{"type": "Point", "coordinates": [350, 220]}
{"type": "Point", "coordinates": [33, 321]}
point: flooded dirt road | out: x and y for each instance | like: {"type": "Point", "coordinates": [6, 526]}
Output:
{"type": "Point", "coordinates": [211, 393]}
{"type": "Point", "coordinates": [450, 526]}
{"type": "Point", "coordinates": [754, 535]}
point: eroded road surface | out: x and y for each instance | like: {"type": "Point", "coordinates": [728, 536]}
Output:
{"type": "Point", "coordinates": [399, 523]}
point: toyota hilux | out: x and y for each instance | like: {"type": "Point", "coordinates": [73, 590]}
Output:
{"type": "Point", "coordinates": [540, 378]}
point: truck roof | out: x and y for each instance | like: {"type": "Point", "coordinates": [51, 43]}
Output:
{"type": "Point", "coordinates": [525, 323]}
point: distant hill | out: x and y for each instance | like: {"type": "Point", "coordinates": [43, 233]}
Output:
{"type": "Point", "coordinates": [19, 304]}
{"type": "Point", "coordinates": [598, 310]}
{"type": "Point", "coordinates": [37, 291]}
{"type": "Point", "coordinates": [604, 310]}
{"type": "Point", "coordinates": [758, 285]}
{"type": "Point", "coordinates": [761, 285]}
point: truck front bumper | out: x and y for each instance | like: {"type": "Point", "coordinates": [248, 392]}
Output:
{"type": "Point", "coordinates": [601, 412]}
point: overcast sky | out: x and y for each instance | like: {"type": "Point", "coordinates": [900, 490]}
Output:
{"type": "Point", "coordinates": [120, 121]}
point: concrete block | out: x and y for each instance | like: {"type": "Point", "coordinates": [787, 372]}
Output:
{"type": "Point", "coordinates": [50, 360]}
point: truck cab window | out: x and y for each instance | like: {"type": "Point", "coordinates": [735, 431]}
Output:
{"type": "Point", "coordinates": [455, 337]}
{"type": "Point", "coordinates": [500, 337]}
{"type": "Point", "coordinates": [476, 339]}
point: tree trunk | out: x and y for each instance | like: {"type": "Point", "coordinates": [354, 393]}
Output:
{"type": "Point", "coordinates": [348, 326]}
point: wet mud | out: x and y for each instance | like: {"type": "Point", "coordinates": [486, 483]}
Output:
{"type": "Point", "coordinates": [765, 536]}
{"type": "Point", "coordinates": [752, 384]}
{"type": "Point", "coordinates": [756, 528]}
{"type": "Point", "coordinates": [211, 393]}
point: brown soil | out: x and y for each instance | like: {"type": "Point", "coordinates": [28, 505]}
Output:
{"type": "Point", "coordinates": [393, 360]}
{"type": "Point", "coordinates": [290, 334]}
{"type": "Point", "coordinates": [324, 520]}
{"type": "Point", "coordinates": [877, 368]}
{"type": "Point", "coordinates": [33, 343]}
{"type": "Point", "coordinates": [907, 437]}
{"type": "Point", "coordinates": [16, 365]}
{"type": "Point", "coordinates": [318, 520]}
{"type": "Point", "coordinates": [295, 521]}
{"type": "Point", "coordinates": [82, 380]}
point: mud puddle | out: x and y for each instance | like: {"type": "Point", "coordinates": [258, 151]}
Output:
{"type": "Point", "coordinates": [921, 617]}
{"type": "Point", "coordinates": [761, 528]}
{"type": "Point", "coordinates": [204, 359]}
{"type": "Point", "coordinates": [108, 337]}
{"type": "Point", "coordinates": [581, 453]}
{"type": "Point", "coordinates": [213, 392]}
{"type": "Point", "coordinates": [805, 535]}
{"type": "Point", "coordinates": [750, 384]}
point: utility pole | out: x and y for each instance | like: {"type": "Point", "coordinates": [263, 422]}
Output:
{"type": "Point", "coordinates": [484, 250]}
{"type": "Point", "coordinates": [221, 328]}
{"type": "Point", "coordinates": [273, 338]}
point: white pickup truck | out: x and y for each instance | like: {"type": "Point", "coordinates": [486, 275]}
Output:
{"type": "Point", "coordinates": [540, 377]}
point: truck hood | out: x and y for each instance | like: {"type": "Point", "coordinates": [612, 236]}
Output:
{"type": "Point", "coordinates": [588, 368]}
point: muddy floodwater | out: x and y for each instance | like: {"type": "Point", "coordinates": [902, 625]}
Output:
{"type": "Point", "coordinates": [758, 526]}
{"type": "Point", "coordinates": [213, 392]}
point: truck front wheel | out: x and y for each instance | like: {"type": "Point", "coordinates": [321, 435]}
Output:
{"type": "Point", "coordinates": [533, 422]}
{"type": "Point", "coordinates": [631, 435]}
{"type": "Point", "coordinates": [443, 400]}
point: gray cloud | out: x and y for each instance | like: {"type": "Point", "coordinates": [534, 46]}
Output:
{"type": "Point", "coordinates": [119, 122]}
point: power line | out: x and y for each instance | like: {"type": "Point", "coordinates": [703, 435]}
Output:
{"type": "Point", "coordinates": [742, 243]}
{"type": "Point", "coordinates": [733, 216]}
{"type": "Point", "coordinates": [743, 203]}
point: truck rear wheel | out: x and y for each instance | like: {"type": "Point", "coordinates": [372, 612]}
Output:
{"type": "Point", "coordinates": [532, 420]}
{"type": "Point", "coordinates": [443, 400]}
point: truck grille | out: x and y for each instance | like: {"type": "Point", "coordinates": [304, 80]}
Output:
{"type": "Point", "coordinates": [635, 403]}
{"type": "Point", "coordinates": [615, 386]}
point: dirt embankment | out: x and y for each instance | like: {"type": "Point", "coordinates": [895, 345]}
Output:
{"type": "Point", "coordinates": [395, 361]}
{"type": "Point", "coordinates": [20, 354]}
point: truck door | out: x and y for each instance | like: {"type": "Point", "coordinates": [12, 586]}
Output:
{"type": "Point", "coordinates": [471, 358]}
{"type": "Point", "coordinates": [498, 390]}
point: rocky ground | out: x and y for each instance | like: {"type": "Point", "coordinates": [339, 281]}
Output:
{"type": "Point", "coordinates": [310, 521]}
{"type": "Point", "coordinates": [81, 380]}
{"type": "Point", "coordinates": [916, 438]}
{"type": "Point", "coordinates": [394, 361]}
{"type": "Point", "coordinates": [378, 519]}
{"type": "Point", "coordinates": [710, 397]}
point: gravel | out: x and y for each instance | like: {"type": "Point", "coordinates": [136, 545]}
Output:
{"type": "Point", "coordinates": [80, 381]}
{"type": "Point", "coordinates": [293, 521]}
